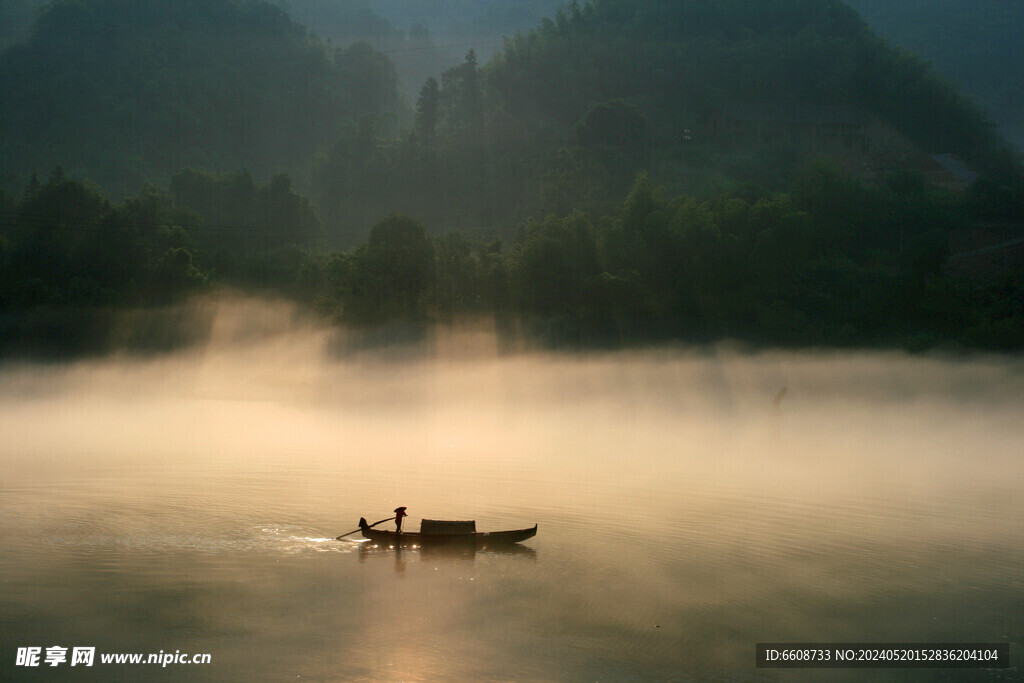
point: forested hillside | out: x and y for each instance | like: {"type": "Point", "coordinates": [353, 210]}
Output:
{"type": "Point", "coordinates": [411, 49]}
{"type": "Point", "coordinates": [628, 171]}
{"type": "Point", "coordinates": [454, 20]}
{"type": "Point", "coordinates": [975, 43]}
{"type": "Point", "coordinates": [128, 92]}
{"type": "Point", "coordinates": [566, 114]}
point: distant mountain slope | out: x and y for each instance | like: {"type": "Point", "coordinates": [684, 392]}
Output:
{"type": "Point", "coordinates": [126, 92]}
{"type": "Point", "coordinates": [976, 43]}
{"type": "Point", "coordinates": [422, 37]}
{"type": "Point", "coordinates": [16, 17]}
{"type": "Point", "coordinates": [343, 22]}
{"type": "Point", "coordinates": [467, 18]}
{"type": "Point", "coordinates": [696, 93]}
{"type": "Point", "coordinates": [683, 61]}
{"type": "Point", "coordinates": [409, 45]}
{"type": "Point", "coordinates": [700, 95]}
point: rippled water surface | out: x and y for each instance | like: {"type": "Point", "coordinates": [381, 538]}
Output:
{"type": "Point", "coordinates": [190, 504]}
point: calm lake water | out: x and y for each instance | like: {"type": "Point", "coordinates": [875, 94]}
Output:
{"type": "Point", "coordinates": [189, 503]}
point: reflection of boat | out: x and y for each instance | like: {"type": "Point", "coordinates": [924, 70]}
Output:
{"type": "Point", "coordinates": [446, 552]}
{"type": "Point", "coordinates": [436, 532]}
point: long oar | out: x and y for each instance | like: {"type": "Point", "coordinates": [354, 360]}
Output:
{"type": "Point", "coordinates": [338, 538]}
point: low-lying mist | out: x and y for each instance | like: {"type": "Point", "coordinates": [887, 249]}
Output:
{"type": "Point", "coordinates": [272, 382]}
{"type": "Point", "coordinates": [682, 498]}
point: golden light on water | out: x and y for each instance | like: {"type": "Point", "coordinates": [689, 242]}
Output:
{"type": "Point", "coordinates": [670, 489]}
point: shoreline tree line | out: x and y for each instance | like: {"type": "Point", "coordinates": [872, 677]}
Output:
{"type": "Point", "coordinates": [569, 186]}
{"type": "Point", "coordinates": [832, 262]}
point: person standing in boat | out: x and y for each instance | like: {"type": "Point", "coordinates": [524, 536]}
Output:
{"type": "Point", "coordinates": [399, 514]}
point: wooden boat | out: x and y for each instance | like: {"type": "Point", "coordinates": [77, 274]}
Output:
{"type": "Point", "coordinates": [436, 532]}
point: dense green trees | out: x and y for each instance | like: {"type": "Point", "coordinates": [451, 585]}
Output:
{"type": "Point", "coordinates": [68, 245]}
{"type": "Point", "coordinates": [388, 276]}
{"type": "Point", "coordinates": [428, 109]}
{"type": "Point", "coordinates": [562, 118]}
{"type": "Point", "coordinates": [566, 115]}
{"type": "Point", "coordinates": [579, 184]}
{"type": "Point", "coordinates": [241, 217]}
{"type": "Point", "coordinates": [834, 262]}
{"type": "Point", "coordinates": [684, 61]}
{"type": "Point", "coordinates": [127, 92]}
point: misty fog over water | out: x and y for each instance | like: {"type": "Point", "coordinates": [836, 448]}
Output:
{"type": "Point", "coordinates": [190, 501]}
{"type": "Point", "coordinates": [726, 298]}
